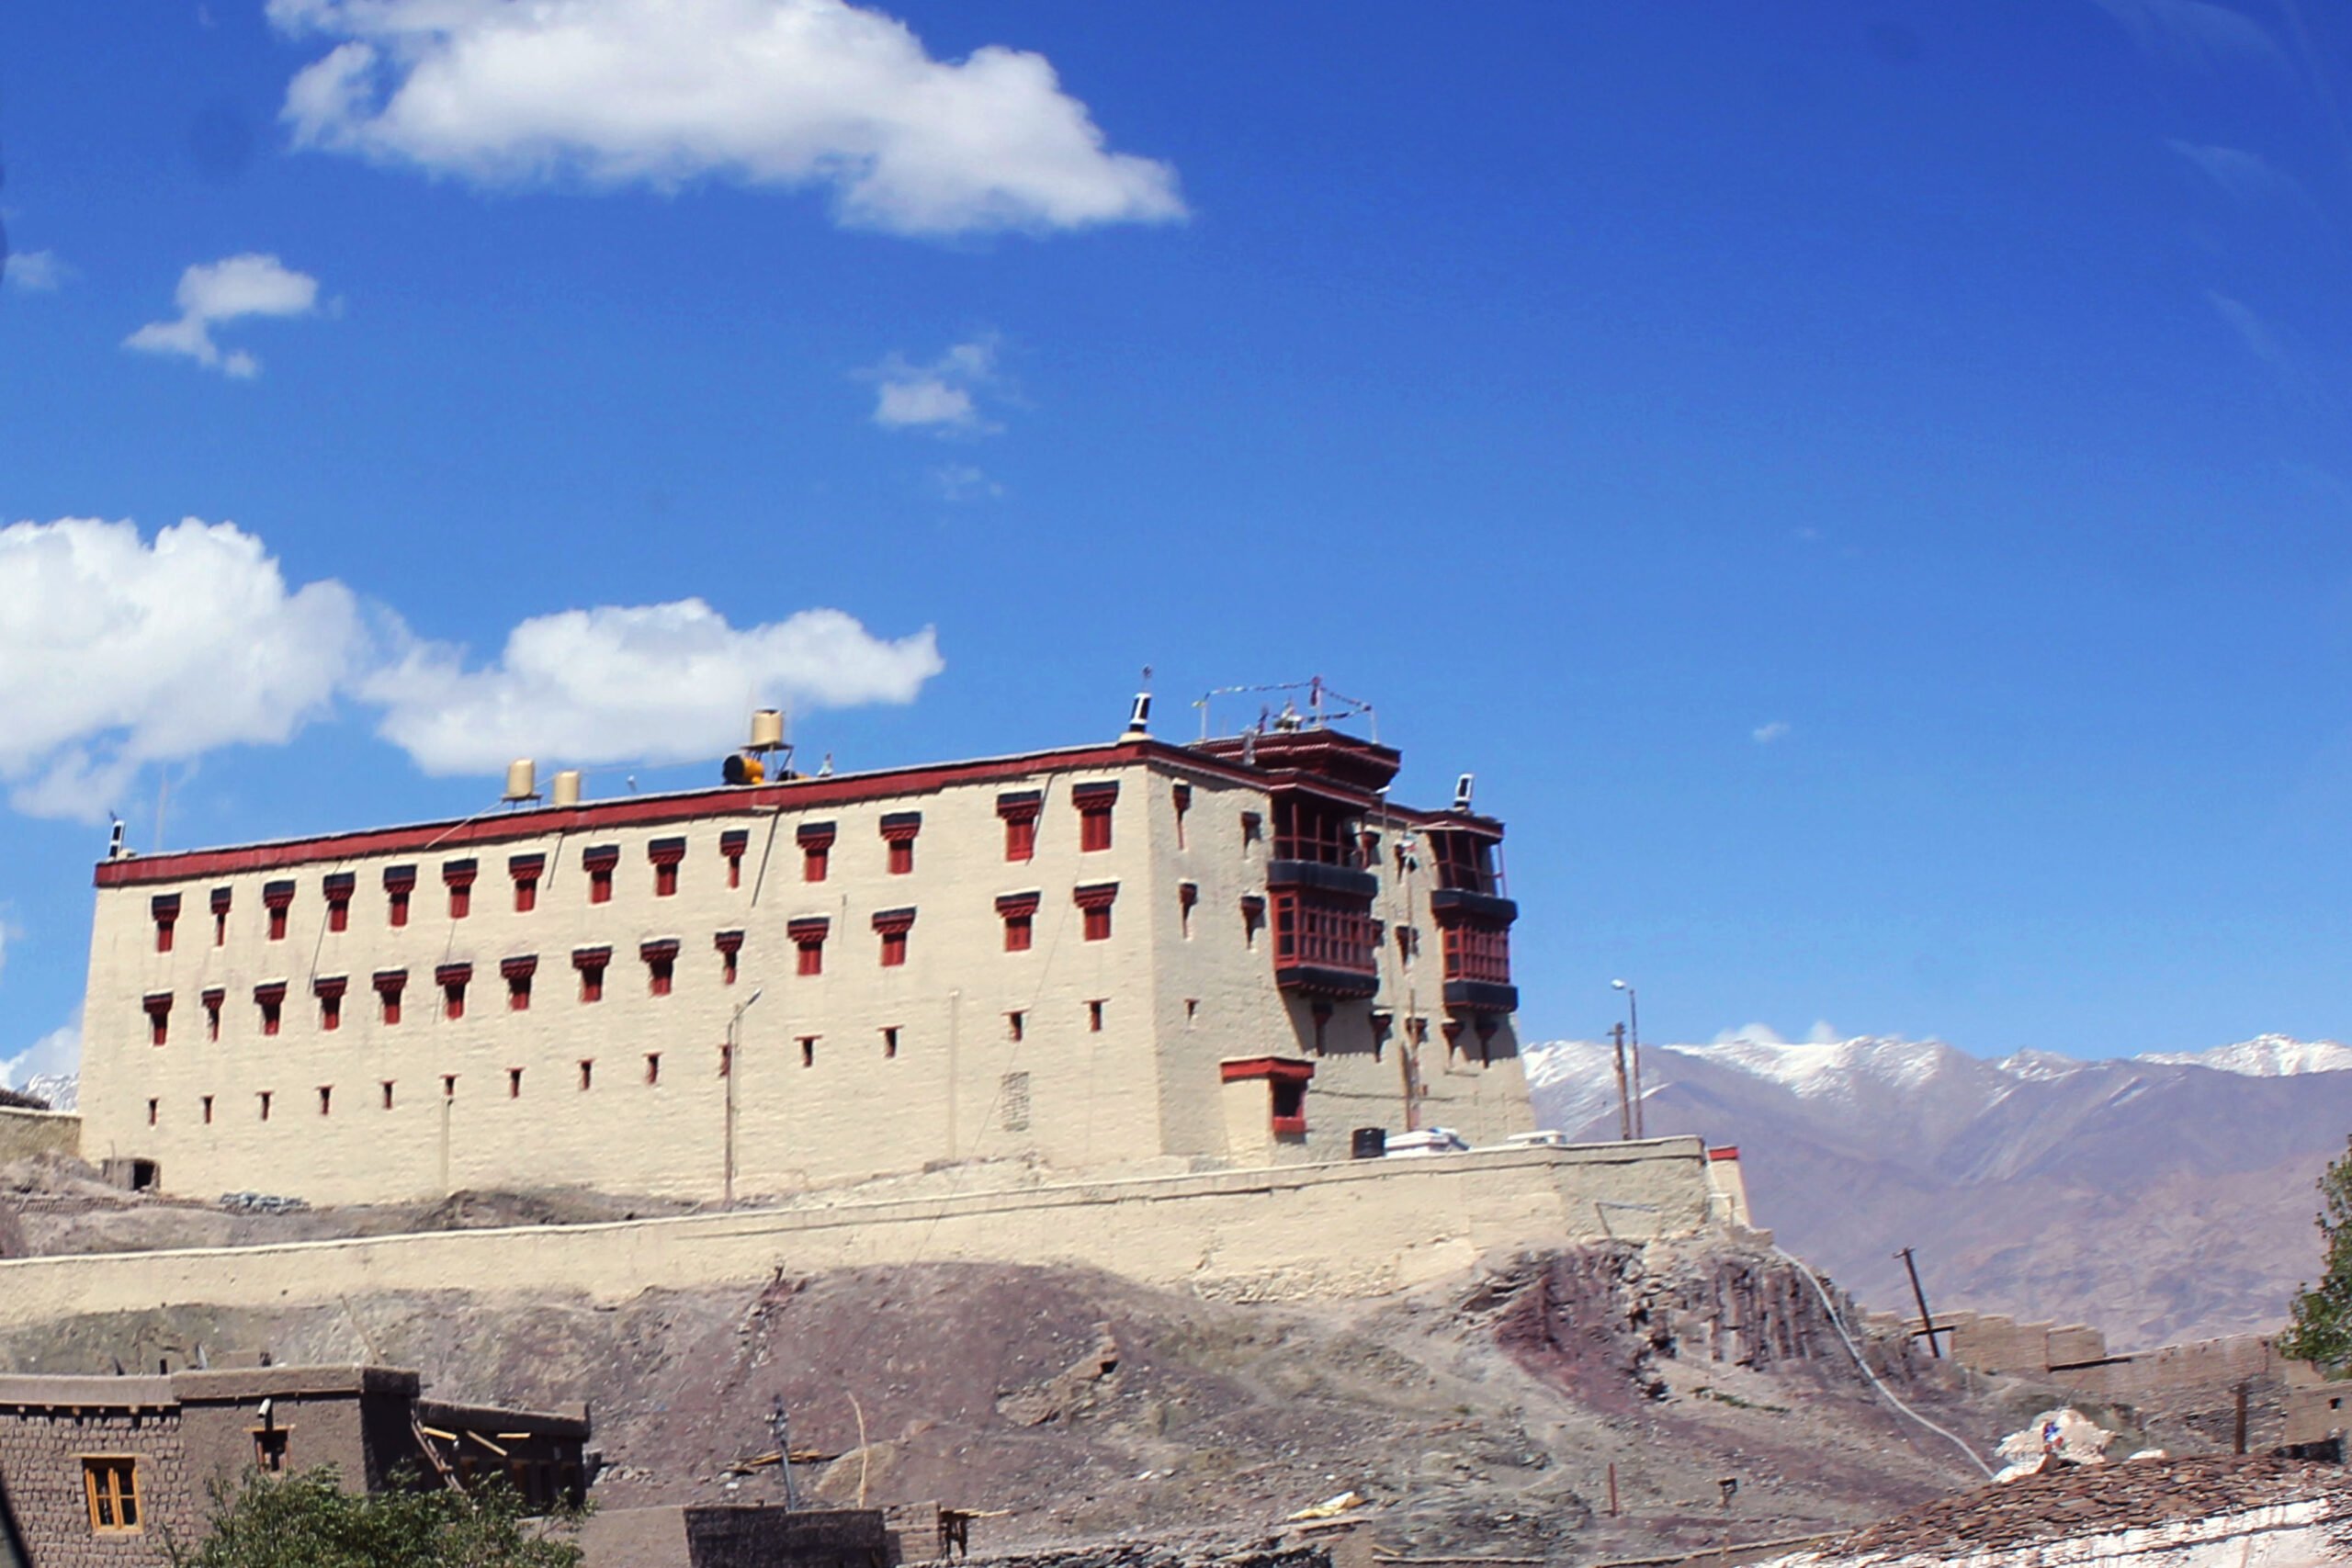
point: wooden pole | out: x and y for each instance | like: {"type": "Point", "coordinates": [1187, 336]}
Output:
{"type": "Point", "coordinates": [1625, 1104]}
{"type": "Point", "coordinates": [1927, 1323]}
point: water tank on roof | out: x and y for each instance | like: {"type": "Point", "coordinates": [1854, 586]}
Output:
{"type": "Point", "coordinates": [767, 730]}
{"type": "Point", "coordinates": [567, 787]}
{"type": "Point", "coordinates": [522, 780]}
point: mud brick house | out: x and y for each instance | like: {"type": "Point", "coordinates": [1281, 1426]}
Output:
{"type": "Point", "coordinates": [1134, 958]}
{"type": "Point", "coordinates": [96, 1472]}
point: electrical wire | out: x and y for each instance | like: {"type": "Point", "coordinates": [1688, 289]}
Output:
{"type": "Point", "coordinates": [1884, 1392]}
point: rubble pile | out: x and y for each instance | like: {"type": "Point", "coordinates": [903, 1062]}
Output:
{"type": "Point", "coordinates": [2066, 1501]}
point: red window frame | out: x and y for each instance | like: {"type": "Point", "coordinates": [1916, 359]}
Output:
{"type": "Point", "coordinates": [458, 877]}
{"type": "Point", "coordinates": [518, 973]}
{"type": "Point", "coordinates": [220, 900]}
{"type": "Point", "coordinates": [330, 990]}
{"type": "Point", "coordinates": [816, 840]}
{"type": "Point", "coordinates": [159, 1017]}
{"type": "Point", "coordinates": [212, 1000]}
{"type": "Point", "coordinates": [809, 937]}
{"type": "Point", "coordinates": [1094, 900]}
{"type": "Point", "coordinates": [1327, 936]}
{"type": "Point", "coordinates": [598, 861]}
{"type": "Point", "coordinates": [592, 963]}
{"type": "Point", "coordinates": [1286, 1081]}
{"type": "Point", "coordinates": [526, 871]}
{"type": "Point", "coordinates": [277, 897]}
{"type": "Point", "coordinates": [271, 999]}
{"type": "Point", "coordinates": [893, 926]}
{"type": "Point", "coordinates": [1094, 802]}
{"type": "Point", "coordinates": [1019, 811]}
{"type": "Point", "coordinates": [660, 965]}
{"type": "Point", "coordinates": [166, 909]}
{"type": "Point", "coordinates": [1183, 797]}
{"type": "Point", "coordinates": [730, 944]}
{"type": "Point", "coordinates": [1477, 950]}
{"type": "Point", "coordinates": [1019, 911]}
{"type": "Point", "coordinates": [731, 845]}
{"type": "Point", "coordinates": [665, 854]}
{"type": "Point", "coordinates": [452, 978]}
{"type": "Point", "coordinates": [898, 832]}
{"type": "Point", "coordinates": [400, 881]}
{"type": "Point", "coordinates": [1253, 918]}
{"type": "Point", "coordinates": [338, 889]}
{"type": "Point", "coordinates": [389, 984]}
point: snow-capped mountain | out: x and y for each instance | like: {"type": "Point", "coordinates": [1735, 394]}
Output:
{"type": "Point", "coordinates": [2162, 1197]}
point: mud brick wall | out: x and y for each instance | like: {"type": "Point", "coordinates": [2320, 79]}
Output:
{"type": "Point", "coordinates": [41, 1452]}
{"type": "Point", "coordinates": [778, 1537]}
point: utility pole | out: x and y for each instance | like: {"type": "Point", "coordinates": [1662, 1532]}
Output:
{"type": "Point", "coordinates": [1624, 1105]}
{"type": "Point", "coordinates": [780, 1428]}
{"type": "Point", "coordinates": [1633, 1012]}
{"type": "Point", "coordinates": [1927, 1323]}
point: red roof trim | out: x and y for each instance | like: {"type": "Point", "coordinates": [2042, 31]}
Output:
{"type": "Point", "coordinates": [591, 957]}
{"type": "Point", "coordinates": [392, 982]}
{"type": "Point", "coordinates": [1094, 895]}
{"type": "Point", "coordinates": [809, 928]}
{"type": "Point", "coordinates": [797, 794]}
{"type": "Point", "coordinates": [331, 984]}
{"type": "Point", "coordinates": [1280, 1069]}
{"type": "Point", "coordinates": [1017, 902]}
{"type": "Point", "coordinates": [519, 968]}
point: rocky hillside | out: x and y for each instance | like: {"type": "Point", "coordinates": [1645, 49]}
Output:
{"type": "Point", "coordinates": [1484, 1416]}
{"type": "Point", "coordinates": [2162, 1198]}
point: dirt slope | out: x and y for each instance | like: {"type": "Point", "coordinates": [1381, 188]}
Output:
{"type": "Point", "coordinates": [1484, 1417]}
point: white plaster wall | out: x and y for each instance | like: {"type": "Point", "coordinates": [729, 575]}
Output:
{"type": "Point", "coordinates": [1141, 1093]}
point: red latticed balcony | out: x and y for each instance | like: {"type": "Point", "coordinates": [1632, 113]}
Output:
{"type": "Point", "coordinates": [1325, 945]}
{"type": "Point", "coordinates": [1476, 931]}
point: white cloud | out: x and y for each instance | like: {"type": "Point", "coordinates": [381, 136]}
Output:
{"type": "Point", "coordinates": [1765, 734]}
{"type": "Point", "coordinates": [35, 272]}
{"type": "Point", "coordinates": [789, 93]}
{"type": "Point", "coordinates": [940, 396]}
{"type": "Point", "coordinates": [659, 683]}
{"type": "Point", "coordinates": [2195, 33]}
{"type": "Point", "coordinates": [1823, 1032]}
{"type": "Point", "coordinates": [960, 482]}
{"type": "Point", "coordinates": [57, 1052]}
{"type": "Point", "coordinates": [222, 291]}
{"type": "Point", "coordinates": [117, 653]}
{"type": "Point", "coordinates": [2242, 175]}
{"type": "Point", "coordinates": [2263, 342]}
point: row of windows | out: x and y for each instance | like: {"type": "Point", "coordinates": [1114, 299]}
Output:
{"type": "Point", "coordinates": [1016, 1029]}
{"type": "Point", "coordinates": [898, 830]}
{"type": "Point", "coordinates": [1096, 1010]}
{"type": "Point", "coordinates": [893, 928]}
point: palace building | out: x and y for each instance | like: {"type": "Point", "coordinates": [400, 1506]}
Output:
{"type": "Point", "coordinates": [1129, 958]}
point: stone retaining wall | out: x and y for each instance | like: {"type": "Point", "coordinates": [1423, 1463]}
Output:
{"type": "Point", "coordinates": [1354, 1229]}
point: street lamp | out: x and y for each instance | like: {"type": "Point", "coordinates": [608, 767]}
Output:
{"type": "Point", "coordinates": [733, 1066]}
{"type": "Point", "coordinates": [1633, 1012]}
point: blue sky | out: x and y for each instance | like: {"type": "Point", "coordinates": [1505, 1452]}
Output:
{"type": "Point", "coordinates": [1864, 486]}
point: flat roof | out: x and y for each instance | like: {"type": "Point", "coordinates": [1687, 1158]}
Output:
{"type": "Point", "coordinates": [496, 826]}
